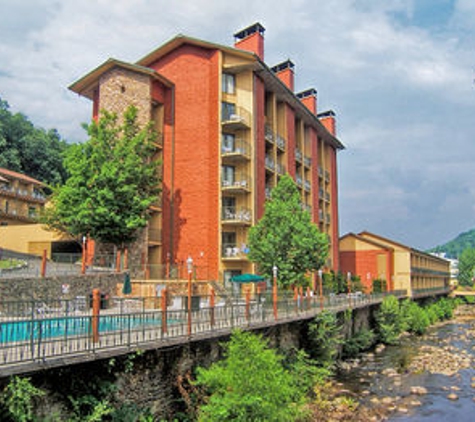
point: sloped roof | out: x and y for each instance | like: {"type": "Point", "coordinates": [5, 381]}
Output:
{"type": "Point", "coordinates": [10, 174]}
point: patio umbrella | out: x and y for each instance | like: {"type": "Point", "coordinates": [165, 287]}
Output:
{"type": "Point", "coordinates": [127, 286]}
{"type": "Point", "coordinates": [247, 278]}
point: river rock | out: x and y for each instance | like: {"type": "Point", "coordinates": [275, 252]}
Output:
{"type": "Point", "coordinates": [419, 391]}
{"type": "Point", "coordinates": [387, 400]}
{"type": "Point", "coordinates": [379, 348]}
{"type": "Point", "coordinates": [452, 396]}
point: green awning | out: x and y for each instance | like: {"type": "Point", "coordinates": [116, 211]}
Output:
{"type": "Point", "coordinates": [247, 278]}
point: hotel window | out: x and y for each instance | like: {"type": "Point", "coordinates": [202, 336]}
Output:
{"type": "Point", "coordinates": [31, 212]}
{"type": "Point", "coordinates": [228, 175]}
{"type": "Point", "coordinates": [228, 141]}
{"type": "Point", "coordinates": [228, 111]}
{"type": "Point", "coordinates": [229, 83]}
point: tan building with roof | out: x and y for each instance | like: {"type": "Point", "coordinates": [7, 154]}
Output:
{"type": "Point", "coordinates": [371, 257]}
{"type": "Point", "coordinates": [21, 198]}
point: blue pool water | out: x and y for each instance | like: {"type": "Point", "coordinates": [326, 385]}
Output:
{"type": "Point", "coordinates": [13, 331]}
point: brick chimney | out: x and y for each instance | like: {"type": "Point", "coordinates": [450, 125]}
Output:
{"type": "Point", "coordinates": [285, 72]}
{"type": "Point", "coordinates": [328, 120]}
{"type": "Point", "coordinates": [309, 99]}
{"type": "Point", "coordinates": [251, 39]}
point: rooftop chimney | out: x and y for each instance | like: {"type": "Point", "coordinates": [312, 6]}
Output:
{"type": "Point", "coordinates": [285, 72]}
{"type": "Point", "coordinates": [328, 120]}
{"type": "Point", "coordinates": [251, 39]}
{"type": "Point", "coordinates": [309, 99]}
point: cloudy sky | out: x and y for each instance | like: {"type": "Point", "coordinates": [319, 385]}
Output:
{"type": "Point", "coordinates": [399, 75]}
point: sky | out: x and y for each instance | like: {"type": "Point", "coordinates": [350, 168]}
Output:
{"type": "Point", "coordinates": [399, 74]}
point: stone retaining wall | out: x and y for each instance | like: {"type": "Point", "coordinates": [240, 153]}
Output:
{"type": "Point", "coordinates": [61, 287]}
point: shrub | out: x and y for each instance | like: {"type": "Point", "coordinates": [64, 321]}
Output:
{"type": "Point", "coordinates": [18, 398]}
{"type": "Point", "coordinates": [359, 342]}
{"type": "Point", "coordinates": [389, 320]}
{"type": "Point", "coordinates": [249, 384]}
{"type": "Point", "coordinates": [325, 338]}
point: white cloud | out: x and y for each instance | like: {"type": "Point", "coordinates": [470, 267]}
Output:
{"type": "Point", "coordinates": [403, 94]}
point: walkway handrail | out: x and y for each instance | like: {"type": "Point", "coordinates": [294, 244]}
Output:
{"type": "Point", "coordinates": [35, 334]}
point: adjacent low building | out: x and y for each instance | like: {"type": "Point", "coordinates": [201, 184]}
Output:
{"type": "Point", "coordinates": [372, 257]}
{"type": "Point", "coordinates": [21, 198]}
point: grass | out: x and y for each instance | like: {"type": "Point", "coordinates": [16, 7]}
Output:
{"type": "Point", "coordinates": [9, 263]}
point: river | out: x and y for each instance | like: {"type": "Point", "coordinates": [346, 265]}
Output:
{"type": "Point", "coordinates": [427, 378]}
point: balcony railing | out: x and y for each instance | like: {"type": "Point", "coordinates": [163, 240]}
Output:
{"type": "Point", "coordinates": [307, 185]}
{"type": "Point", "coordinates": [237, 215]}
{"type": "Point", "coordinates": [154, 236]}
{"type": "Point", "coordinates": [239, 183]}
{"type": "Point", "coordinates": [299, 181]}
{"type": "Point", "coordinates": [307, 161]}
{"type": "Point", "coordinates": [320, 172]}
{"type": "Point", "coordinates": [320, 215]}
{"type": "Point", "coordinates": [239, 149]}
{"type": "Point", "coordinates": [298, 155]}
{"type": "Point", "coordinates": [269, 162]}
{"type": "Point", "coordinates": [22, 193]}
{"type": "Point", "coordinates": [268, 192]}
{"type": "Point", "coordinates": [238, 118]}
{"type": "Point", "coordinates": [327, 176]}
{"type": "Point", "coordinates": [232, 251]}
{"type": "Point", "coordinates": [269, 134]}
{"type": "Point", "coordinates": [280, 142]}
{"type": "Point", "coordinates": [280, 168]}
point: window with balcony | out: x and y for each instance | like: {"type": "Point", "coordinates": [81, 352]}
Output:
{"type": "Point", "coordinates": [228, 175]}
{"type": "Point", "coordinates": [31, 212]}
{"type": "Point", "coordinates": [228, 143]}
{"type": "Point", "coordinates": [229, 83]}
{"type": "Point", "coordinates": [228, 111]}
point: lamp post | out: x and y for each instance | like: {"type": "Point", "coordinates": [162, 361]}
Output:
{"type": "Point", "coordinates": [274, 290]}
{"type": "Point", "coordinates": [83, 266]}
{"type": "Point", "coordinates": [348, 277]}
{"type": "Point", "coordinates": [189, 264]}
{"type": "Point", "coordinates": [320, 277]}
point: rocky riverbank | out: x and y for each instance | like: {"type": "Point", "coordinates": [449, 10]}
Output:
{"type": "Point", "coordinates": [397, 382]}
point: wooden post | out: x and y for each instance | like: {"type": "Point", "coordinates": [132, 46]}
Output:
{"type": "Point", "coordinates": [189, 302]}
{"type": "Point", "coordinates": [248, 303]}
{"type": "Point", "coordinates": [164, 298]}
{"type": "Point", "coordinates": [96, 306]}
{"type": "Point", "coordinates": [43, 264]}
{"type": "Point", "coordinates": [117, 262]}
{"type": "Point", "coordinates": [126, 259]}
{"type": "Point", "coordinates": [211, 305]}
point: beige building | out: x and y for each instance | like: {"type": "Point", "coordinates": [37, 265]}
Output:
{"type": "Point", "coordinates": [371, 257]}
{"type": "Point", "coordinates": [21, 198]}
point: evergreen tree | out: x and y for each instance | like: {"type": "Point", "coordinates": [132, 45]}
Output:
{"type": "Point", "coordinates": [286, 237]}
{"type": "Point", "coordinates": [112, 182]}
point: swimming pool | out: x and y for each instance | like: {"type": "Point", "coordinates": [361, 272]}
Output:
{"type": "Point", "coordinates": [14, 331]}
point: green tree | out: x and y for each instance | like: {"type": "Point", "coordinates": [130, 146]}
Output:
{"type": "Point", "coordinates": [249, 384]}
{"type": "Point", "coordinates": [286, 237]}
{"type": "Point", "coordinates": [466, 267]}
{"type": "Point", "coordinates": [30, 150]}
{"type": "Point", "coordinates": [112, 182]}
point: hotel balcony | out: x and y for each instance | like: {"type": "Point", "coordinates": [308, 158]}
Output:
{"type": "Point", "coordinates": [237, 119]}
{"type": "Point", "coordinates": [23, 194]}
{"type": "Point", "coordinates": [237, 184]}
{"type": "Point", "coordinates": [268, 192]}
{"type": "Point", "coordinates": [320, 172]}
{"type": "Point", "coordinates": [154, 236]}
{"type": "Point", "coordinates": [231, 252]}
{"type": "Point", "coordinates": [307, 161]}
{"type": "Point", "coordinates": [158, 142]}
{"type": "Point", "coordinates": [299, 181]}
{"type": "Point", "coordinates": [307, 185]}
{"type": "Point", "coordinates": [269, 134]}
{"type": "Point", "coordinates": [18, 216]}
{"type": "Point", "coordinates": [280, 168]}
{"type": "Point", "coordinates": [238, 151]}
{"type": "Point", "coordinates": [269, 163]}
{"type": "Point", "coordinates": [280, 142]}
{"type": "Point", "coordinates": [236, 216]}
{"type": "Point", "coordinates": [327, 176]}
{"type": "Point", "coordinates": [298, 155]}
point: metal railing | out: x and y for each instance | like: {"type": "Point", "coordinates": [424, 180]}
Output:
{"type": "Point", "coordinates": [42, 331]}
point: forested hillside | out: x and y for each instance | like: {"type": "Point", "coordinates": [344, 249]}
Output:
{"type": "Point", "coordinates": [455, 247]}
{"type": "Point", "coordinates": [30, 150]}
